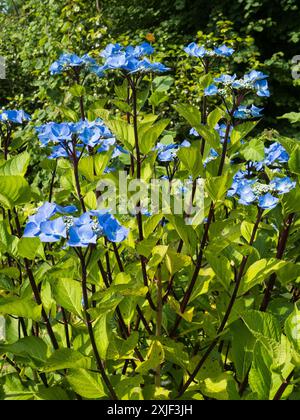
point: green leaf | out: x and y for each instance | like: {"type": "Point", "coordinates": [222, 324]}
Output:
{"type": "Point", "coordinates": [241, 131]}
{"type": "Point", "coordinates": [55, 393]}
{"type": "Point", "coordinates": [258, 272]}
{"type": "Point", "coordinates": [32, 348]}
{"type": "Point", "coordinates": [294, 162]}
{"type": "Point", "coordinates": [291, 201]}
{"type": "Point", "coordinates": [149, 137]}
{"type": "Point", "coordinates": [221, 387]}
{"type": "Point", "coordinates": [123, 131]}
{"type": "Point", "coordinates": [22, 307]}
{"type": "Point", "coordinates": [158, 97]}
{"type": "Point", "coordinates": [185, 232]}
{"type": "Point", "coordinates": [292, 329]}
{"type": "Point", "coordinates": [222, 268]}
{"type": "Point", "coordinates": [66, 359]}
{"type": "Point", "coordinates": [191, 159]}
{"type": "Point", "coordinates": [30, 248]}
{"type": "Point", "coordinates": [154, 358]}
{"type": "Point", "coordinates": [214, 117]}
{"type": "Point", "coordinates": [247, 230]}
{"type": "Point", "coordinates": [254, 151]}
{"type": "Point", "coordinates": [260, 376]}
{"type": "Point", "coordinates": [16, 166]}
{"type": "Point", "coordinates": [190, 113]}
{"type": "Point", "coordinates": [293, 117]}
{"type": "Point", "coordinates": [151, 224]}
{"type": "Point", "coordinates": [217, 187]}
{"type": "Point", "coordinates": [176, 262]}
{"type": "Point", "coordinates": [87, 385]}
{"type": "Point", "coordinates": [103, 333]}
{"type": "Point", "coordinates": [68, 294]}
{"type": "Point", "coordinates": [243, 343]}
{"type": "Point", "coordinates": [14, 190]}
{"type": "Point", "coordinates": [265, 328]}
{"type": "Point", "coordinates": [163, 83]}
{"type": "Point", "coordinates": [77, 91]}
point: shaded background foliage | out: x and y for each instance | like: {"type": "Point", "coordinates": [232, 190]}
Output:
{"type": "Point", "coordinates": [33, 33]}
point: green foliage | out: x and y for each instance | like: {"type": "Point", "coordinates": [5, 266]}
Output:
{"type": "Point", "coordinates": [177, 309]}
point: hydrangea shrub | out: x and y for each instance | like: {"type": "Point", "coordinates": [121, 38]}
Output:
{"type": "Point", "coordinates": [100, 304]}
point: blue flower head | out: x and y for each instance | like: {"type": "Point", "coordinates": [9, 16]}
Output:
{"type": "Point", "coordinates": [69, 61]}
{"type": "Point", "coordinates": [53, 230]}
{"type": "Point", "coordinates": [245, 113]}
{"type": "Point", "coordinates": [211, 90]}
{"type": "Point", "coordinates": [131, 59]}
{"type": "Point", "coordinates": [268, 202]}
{"type": "Point", "coordinates": [44, 214]}
{"type": "Point", "coordinates": [14, 116]}
{"type": "Point", "coordinates": [194, 50]}
{"type": "Point", "coordinates": [283, 185]}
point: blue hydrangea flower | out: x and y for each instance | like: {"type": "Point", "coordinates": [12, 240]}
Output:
{"type": "Point", "coordinates": [168, 152]}
{"type": "Point", "coordinates": [275, 153]}
{"type": "Point", "coordinates": [131, 59]}
{"type": "Point", "coordinates": [14, 116]}
{"type": "Point", "coordinates": [211, 90]}
{"type": "Point", "coordinates": [79, 232]}
{"type": "Point", "coordinates": [268, 202]}
{"type": "Point", "coordinates": [53, 230]}
{"type": "Point", "coordinates": [226, 79]}
{"type": "Point", "coordinates": [254, 81]}
{"type": "Point", "coordinates": [224, 51]}
{"type": "Point", "coordinates": [69, 61]}
{"type": "Point", "coordinates": [244, 112]}
{"type": "Point", "coordinates": [194, 132]}
{"type": "Point", "coordinates": [44, 214]}
{"type": "Point", "coordinates": [82, 236]}
{"type": "Point", "coordinates": [247, 196]}
{"type": "Point", "coordinates": [110, 227]}
{"type": "Point", "coordinates": [283, 185]}
{"type": "Point", "coordinates": [197, 51]}
{"type": "Point", "coordinates": [92, 134]}
{"type": "Point", "coordinates": [262, 88]}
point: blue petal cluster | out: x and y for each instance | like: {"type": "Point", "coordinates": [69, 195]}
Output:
{"type": "Point", "coordinates": [78, 231]}
{"type": "Point", "coordinates": [255, 81]}
{"type": "Point", "coordinates": [130, 59]}
{"type": "Point", "coordinates": [14, 116]}
{"type": "Point", "coordinates": [245, 113]}
{"type": "Point", "coordinates": [86, 134]}
{"type": "Point", "coordinates": [252, 190]}
{"type": "Point", "coordinates": [195, 50]}
{"type": "Point", "coordinates": [168, 152]}
{"type": "Point", "coordinates": [69, 61]}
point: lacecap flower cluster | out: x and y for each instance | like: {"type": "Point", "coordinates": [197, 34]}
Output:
{"type": "Point", "coordinates": [255, 81]}
{"type": "Point", "coordinates": [53, 223]}
{"type": "Point", "coordinates": [117, 57]}
{"type": "Point", "coordinates": [64, 136]}
{"type": "Point", "coordinates": [198, 51]}
{"type": "Point", "coordinates": [14, 116]}
{"type": "Point", "coordinates": [251, 188]}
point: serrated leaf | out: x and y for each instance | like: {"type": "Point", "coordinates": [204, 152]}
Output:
{"type": "Point", "coordinates": [68, 294]}
{"type": "Point", "coordinates": [66, 359]}
{"type": "Point", "coordinates": [86, 384]}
